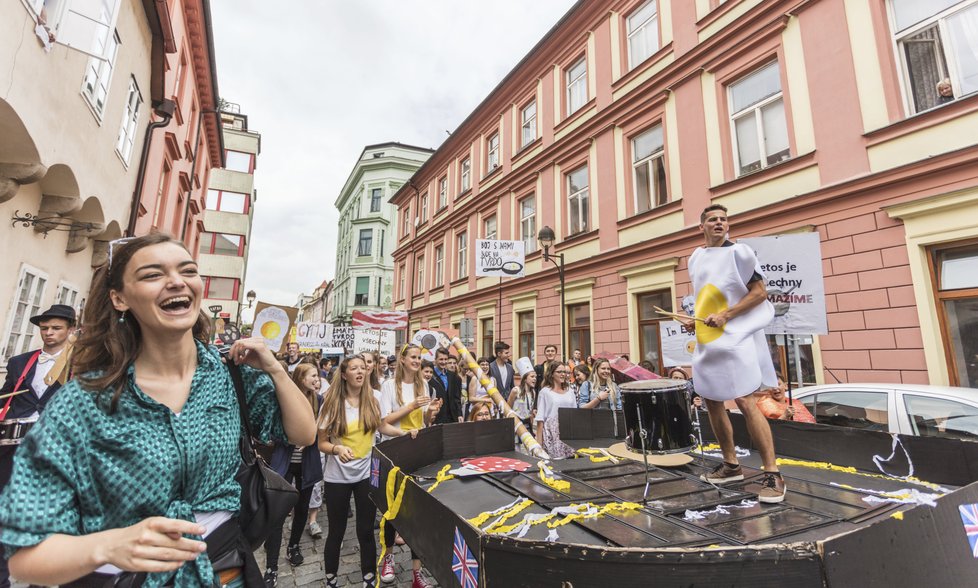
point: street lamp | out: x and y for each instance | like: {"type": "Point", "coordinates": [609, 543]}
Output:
{"type": "Point", "coordinates": [546, 238]}
{"type": "Point", "coordinates": [250, 297]}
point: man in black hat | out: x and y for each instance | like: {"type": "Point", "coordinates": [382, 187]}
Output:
{"type": "Point", "coordinates": [27, 372]}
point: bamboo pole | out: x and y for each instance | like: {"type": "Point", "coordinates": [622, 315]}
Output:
{"type": "Point", "coordinates": [526, 438]}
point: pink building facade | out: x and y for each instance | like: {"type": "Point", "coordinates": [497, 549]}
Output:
{"type": "Point", "coordinates": [187, 145]}
{"type": "Point", "coordinates": [631, 116]}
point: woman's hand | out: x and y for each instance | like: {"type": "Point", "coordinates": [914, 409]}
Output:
{"type": "Point", "coordinates": [253, 352]}
{"type": "Point", "coordinates": [602, 395]}
{"type": "Point", "coordinates": [344, 453]}
{"type": "Point", "coordinates": [420, 402]}
{"type": "Point", "coordinates": [155, 544]}
{"type": "Point", "coordinates": [412, 432]}
{"type": "Point", "coordinates": [435, 405]}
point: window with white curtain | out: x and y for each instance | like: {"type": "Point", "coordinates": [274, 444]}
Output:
{"type": "Point", "coordinates": [528, 224]}
{"type": "Point", "coordinates": [466, 174]}
{"type": "Point", "coordinates": [529, 123]}
{"type": "Point", "coordinates": [643, 33]}
{"type": "Point", "coordinates": [576, 79]}
{"type": "Point", "coordinates": [130, 121]}
{"type": "Point", "coordinates": [492, 150]}
{"type": "Point", "coordinates": [577, 200]}
{"type": "Point", "coordinates": [937, 42]}
{"type": "Point", "coordinates": [757, 120]}
{"type": "Point", "coordinates": [649, 170]}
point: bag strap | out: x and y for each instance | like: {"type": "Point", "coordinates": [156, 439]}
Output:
{"type": "Point", "coordinates": [246, 446]}
{"type": "Point", "coordinates": [20, 380]}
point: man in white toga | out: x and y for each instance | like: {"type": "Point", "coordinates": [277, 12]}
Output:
{"type": "Point", "coordinates": [731, 360]}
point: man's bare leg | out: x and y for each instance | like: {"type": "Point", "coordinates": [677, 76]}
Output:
{"type": "Point", "coordinates": [759, 429]}
{"type": "Point", "coordinates": [722, 429]}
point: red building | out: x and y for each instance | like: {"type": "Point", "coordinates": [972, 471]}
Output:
{"type": "Point", "coordinates": [630, 116]}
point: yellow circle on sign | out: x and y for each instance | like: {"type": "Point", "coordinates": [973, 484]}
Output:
{"type": "Point", "coordinates": [270, 330]}
{"type": "Point", "coordinates": [709, 300]}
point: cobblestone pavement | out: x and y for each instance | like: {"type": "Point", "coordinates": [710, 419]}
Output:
{"type": "Point", "coordinates": [311, 574]}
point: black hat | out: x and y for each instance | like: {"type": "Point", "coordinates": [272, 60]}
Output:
{"type": "Point", "coordinates": [61, 311]}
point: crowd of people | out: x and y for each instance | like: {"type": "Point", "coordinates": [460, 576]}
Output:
{"type": "Point", "coordinates": [129, 477]}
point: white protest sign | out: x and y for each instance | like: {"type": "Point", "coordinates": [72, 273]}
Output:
{"type": "Point", "coordinates": [314, 335]}
{"type": "Point", "coordinates": [377, 341]}
{"type": "Point", "coordinates": [499, 259]}
{"type": "Point", "coordinates": [343, 337]}
{"type": "Point", "coordinates": [792, 267]}
{"type": "Point", "coordinates": [677, 344]}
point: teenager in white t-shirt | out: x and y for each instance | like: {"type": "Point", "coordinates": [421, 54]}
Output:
{"type": "Point", "coordinates": [347, 422]}
{"type": "Point", "coordinates": [405, 403]}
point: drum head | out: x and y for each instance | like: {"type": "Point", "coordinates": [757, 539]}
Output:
{"type": "Point", "coordinates": [660, 385]}
{"type": "Point", "coordinates": [670, 460]}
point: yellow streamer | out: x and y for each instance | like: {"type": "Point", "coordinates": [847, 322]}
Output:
{"type": "Point", "coordinates": [898, 515]}
{"type": "Point", "coordinates": [822, 465]}
{"type": "Point", "coordinates": [442, 476]}
{"type": "Point", "coordinates": [595, 455]}
{"type": "Point", "coordinates": [583, 513]}
{"type": "Point", "coordinates": [608, 508]}
{"type": "Point", "coordinates": [394, 500]}
{"type": "Point", "coordinates": [508, 515]}
{"type": "Point", "coordinates": [558, 485]}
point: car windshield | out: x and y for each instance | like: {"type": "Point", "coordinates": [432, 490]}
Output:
{"type": "Point", "coordinates": [938, 417]}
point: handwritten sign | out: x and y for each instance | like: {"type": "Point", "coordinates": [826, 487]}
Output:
{"type": "Point", "coordinates": [792, 268]}
{"type": "Point", "coordinates": [343, 337]}
{"type": "Point", "coordinates": [499, 259]}
{"type": "Point", "coordinates": [677, 345]}
{"type": "Point", "coordinates": [375, 340]}
{"type": "Point", "coordinates": [314, 335]}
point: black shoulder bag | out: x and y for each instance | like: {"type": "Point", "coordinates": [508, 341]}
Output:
{"type": "Point", "coordinates": [266, 498]}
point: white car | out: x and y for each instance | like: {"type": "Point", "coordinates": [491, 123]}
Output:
{"type": "Point", "coordinates": [926, 411]}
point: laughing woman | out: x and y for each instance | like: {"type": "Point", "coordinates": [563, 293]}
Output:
{"type": "Point", "coordinates": [132, 467]}
{"type": "Point", "coordinates": [349, 418]}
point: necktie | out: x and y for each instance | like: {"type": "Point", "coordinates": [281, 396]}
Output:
{"type": "Point", "coordinates": [45, 357]}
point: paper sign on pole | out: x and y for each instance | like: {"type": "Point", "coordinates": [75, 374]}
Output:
{"type": "Point", "coordinates": [499, 259]}
{"type": "Point", "coordinates": [273, 323]}
{"type": "Point", "coordinates": [343, 337]}
{"type": "Point", "coordinates": [314, 335]}
{"type": "Point", "coordinates": [377, 341]}
{"type": "Point", "coordinates": [677, 344]}
{"type": "Point", "coordinates": [792, 266]}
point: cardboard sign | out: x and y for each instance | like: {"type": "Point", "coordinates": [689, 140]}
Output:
{"type": "Point", "coordinates": [677, 344]}
{"type": "Point", "coordinates": [273, 324]}
{"type": "Point", "coordinates": [314, 335]}
{"type": "Point", "coordinates": [792, 268]}
{"type": "Point", "coordinates": [377, 341]}
{"type": "Point", "coordinates": [343, 337]}
{"type": "Point", "coordinates": [499, 259]}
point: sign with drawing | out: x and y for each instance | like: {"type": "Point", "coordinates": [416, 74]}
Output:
{"type": "Point", "coordinates": [499, 259]}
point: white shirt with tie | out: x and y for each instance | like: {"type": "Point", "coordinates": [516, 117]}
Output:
{"type": "Point", "coordinates": [45, 362]}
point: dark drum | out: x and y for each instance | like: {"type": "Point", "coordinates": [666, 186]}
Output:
{"type": "Point", "coordinates": [661, 408]}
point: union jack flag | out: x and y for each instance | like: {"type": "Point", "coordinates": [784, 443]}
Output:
{"type": "Point", "coordinates": [375, 472]}
{"type": "Point", "coordinates": [969, 516]}
{"type": "Point", "coordinates": [464, 565]}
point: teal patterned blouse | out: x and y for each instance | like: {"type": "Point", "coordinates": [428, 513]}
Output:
{"type": "Point", "coordinates": [81, 470]}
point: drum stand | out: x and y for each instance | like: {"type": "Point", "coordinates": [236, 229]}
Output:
{"type": "Point", "coordinates": [696, 425]}
{"type": "Point", "coordinates": [645, 456]}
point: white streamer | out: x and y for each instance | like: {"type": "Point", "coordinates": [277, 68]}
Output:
{"type": "Point", "coordinates": [698, 515]}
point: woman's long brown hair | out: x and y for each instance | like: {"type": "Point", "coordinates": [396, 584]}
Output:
{"type": "Point", "coordinates": [298, 377]}
{"type": "Point", "coordinates": [108, 346]}
{"type": "Point", "coordinates": [373, 376]}
{"type": "Point", "coordinates": [400, 374]}
{"type": "Point", "coordinates": [332, 415]}
{"type": "Point", "coordinates": [548, 378]}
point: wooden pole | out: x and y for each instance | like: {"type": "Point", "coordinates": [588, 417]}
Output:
{"type": "Point", "coordinates": [526, 438]}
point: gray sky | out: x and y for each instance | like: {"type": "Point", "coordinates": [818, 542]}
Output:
{"type": "Point", "coordinates": [330, 76]}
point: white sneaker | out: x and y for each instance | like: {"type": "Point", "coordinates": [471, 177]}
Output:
{"type": "Point", "coordinates": [315, 530]}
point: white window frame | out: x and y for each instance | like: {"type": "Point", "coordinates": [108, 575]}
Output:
{"type": "Point", "coordinates": [461, 259]}
{"type": "Point", "coordinates": [68, 294]}
{"type": "Point", "coordinates": [402, 271]}
{"type": "Point", "coordinates": [406, 222]}
{"type": "Point", "coordinates": [490, 228]}
{"type": "Point", "coordinates": [572, 83]}
{"type": "Point", "coordinates": [466, 174]}
{"type": "Point", "coordinates": [423, 208]}
{"type": "Point", "coordinates": [25, 331]}
{"type": "Point", "coordinates": [528, 225]}
{"type": "Point", "coordinates": [755, 109]}
{"type": "Point", "coordinates": [580, 199]}
{"type": "Point", "coordinates": [492, 152]}
{"type": "Point", "coordinates": [82, 26]}
{"type": "Point", "coordinates": [98, 77]}
{"type": "Point", "coordinates": [442, 192]}
{"type": "Point", "coordinates": [528, 123]}
{"type": "Point", "coordinates": [650, 24]}
{"type": "Point", "coordinates": [950, 57]}
{"type": "Point", "coordinates": [419, 285]}
{"type": "Point", "coordinates": [439, 269]}
{"type": "Point", "coordinates": [659, 154]}
{"type": "Point", "coordinates": [130, 121]}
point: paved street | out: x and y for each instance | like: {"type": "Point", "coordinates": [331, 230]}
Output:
{"type": "Point", "coordinates": [311, 573]}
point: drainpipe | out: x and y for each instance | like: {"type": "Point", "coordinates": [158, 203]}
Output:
{"type": "Point", "coordinates": [193, 168]}
{"type": "Point", "coordinates": [165, 110]}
